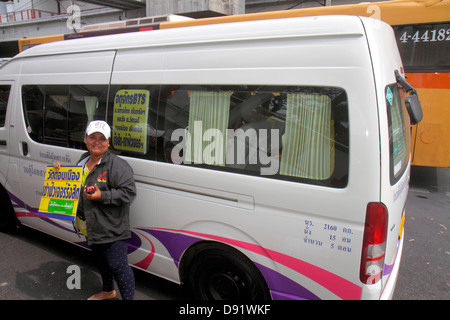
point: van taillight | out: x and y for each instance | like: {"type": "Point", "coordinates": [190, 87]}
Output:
{"type": "Point", "coordinates": [374, 243]}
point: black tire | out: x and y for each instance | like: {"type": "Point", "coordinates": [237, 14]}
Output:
{"type": "Point", "coordinates": [225, 274]}
{"type": "Point", "coordinates": [8, 221]}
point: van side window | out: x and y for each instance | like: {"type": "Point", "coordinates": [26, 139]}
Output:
{"type": "Point", "coordinates": [399, 137]}
{"type": "Point", "coordinates": [58, 114]}
{"type": "Point", "coordinates": [4, 96]}
{"type": "Point", "coordinates": [33, 108]}
{"type": "Point", "coordinates": [281, 132]}
{"type": "Point", "coordinates": [288, 133]}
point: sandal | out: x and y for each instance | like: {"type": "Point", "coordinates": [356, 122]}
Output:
{"type": "Point", "coordinates": [103, 295]}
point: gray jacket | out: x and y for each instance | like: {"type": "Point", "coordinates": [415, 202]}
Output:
{"type": "Point", "coordinates": [107, 220]}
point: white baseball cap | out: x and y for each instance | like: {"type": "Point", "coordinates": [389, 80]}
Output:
{"type": "Point", "coordinates": [99, 126]}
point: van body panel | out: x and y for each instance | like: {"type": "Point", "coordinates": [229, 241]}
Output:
{"type": "Point", "coordinates": [392, 194]}
{"type": "Point", "coordinates": [90, 68]}
{"type": "Point", "coordinates": [292, 64]}
{"type": "Point", "coordinates": [305, 239]}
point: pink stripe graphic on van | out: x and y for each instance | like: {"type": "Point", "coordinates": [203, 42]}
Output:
{"type": "Point", "coordinates": [336, 284]}
{"type": "Point", "coordinates": [145, 263]}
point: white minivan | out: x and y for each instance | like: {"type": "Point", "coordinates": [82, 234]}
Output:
{"type": "Point", "coordinates": [271, 157]}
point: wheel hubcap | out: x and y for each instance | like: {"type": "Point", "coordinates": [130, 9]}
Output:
{"type": "Point", "coordinates": [225, 286]}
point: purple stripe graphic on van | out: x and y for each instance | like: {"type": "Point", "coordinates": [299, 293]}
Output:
{"type": "Point", "coordinates": [281, 286]}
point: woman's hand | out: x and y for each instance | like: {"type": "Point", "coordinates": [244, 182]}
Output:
{"type": "Point", "coordinates": [57, 165]}
{"type": "Point", "coordinates": [94, 195]}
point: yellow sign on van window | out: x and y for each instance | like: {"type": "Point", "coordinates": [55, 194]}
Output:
{"type": "Point", "coordinates": [61, 192]}
{"type": "Point", "coordinates": [130, 120]}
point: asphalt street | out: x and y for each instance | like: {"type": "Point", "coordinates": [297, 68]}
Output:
{"type": "Point", "coordinates": [425, 267]}
{"type": "Point", "coordinates": [34, 266]}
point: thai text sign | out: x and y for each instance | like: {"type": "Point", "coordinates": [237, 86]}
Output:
{"type": "Point", "coordinates": [130, 120]}
{"type": "Point", "coordinates": [61, 193]}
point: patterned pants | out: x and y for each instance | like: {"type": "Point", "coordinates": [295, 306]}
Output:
{"type": "Point", "coordinates": [113, 264]}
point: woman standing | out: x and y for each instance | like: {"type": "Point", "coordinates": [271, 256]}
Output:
{"type": "Point", "coordinates": [109, 189]}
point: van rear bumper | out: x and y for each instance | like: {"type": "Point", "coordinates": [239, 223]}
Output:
{"type": "Point", "coordinates": [389, 288]}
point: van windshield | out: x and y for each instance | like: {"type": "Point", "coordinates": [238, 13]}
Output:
{"type": "Point", "coordinates": [399, 132]}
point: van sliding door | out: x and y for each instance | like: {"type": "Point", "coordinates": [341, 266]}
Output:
{"type": "Point", "coordinates": [58, 96]}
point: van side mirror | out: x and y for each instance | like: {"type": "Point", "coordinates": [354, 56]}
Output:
{"type": "Point", "coordinates": [411, 101]}
{"type": "Point", "coordinates": [414, 108]}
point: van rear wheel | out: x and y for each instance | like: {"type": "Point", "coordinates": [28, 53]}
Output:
{"type": "Point", "coordinates": [218, 274]}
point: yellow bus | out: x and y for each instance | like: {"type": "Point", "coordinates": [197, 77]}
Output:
{"type": "Point", "coordinates": [26, 43]}
{"type": "Point", "coordinates": [422, 29]}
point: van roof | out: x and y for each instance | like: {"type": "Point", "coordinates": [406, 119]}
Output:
{"type": "Point", "coordinates": [312, 27]}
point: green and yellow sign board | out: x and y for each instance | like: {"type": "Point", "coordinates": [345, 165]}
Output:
{"type": "Point", "coordinates": [61, 192]}
{"type": "Point", "coordinates": [130, 120]}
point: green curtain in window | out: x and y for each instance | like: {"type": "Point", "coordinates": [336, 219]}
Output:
{"type": "Point", "coordinates": [208, 124]}
{"type": "Point", "coordinates": [308, 142]}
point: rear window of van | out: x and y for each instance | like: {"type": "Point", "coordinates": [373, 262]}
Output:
{"type": "Point", "coordinates": [399, 134]}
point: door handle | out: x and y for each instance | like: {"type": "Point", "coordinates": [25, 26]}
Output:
{"type": "Point", "coordinates": [24, 148]}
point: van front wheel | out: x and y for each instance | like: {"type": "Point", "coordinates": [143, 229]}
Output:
{"type": "Point", "coordinates": [7, 218]}
{"type": "Point", "coordinates": [218, 274]}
